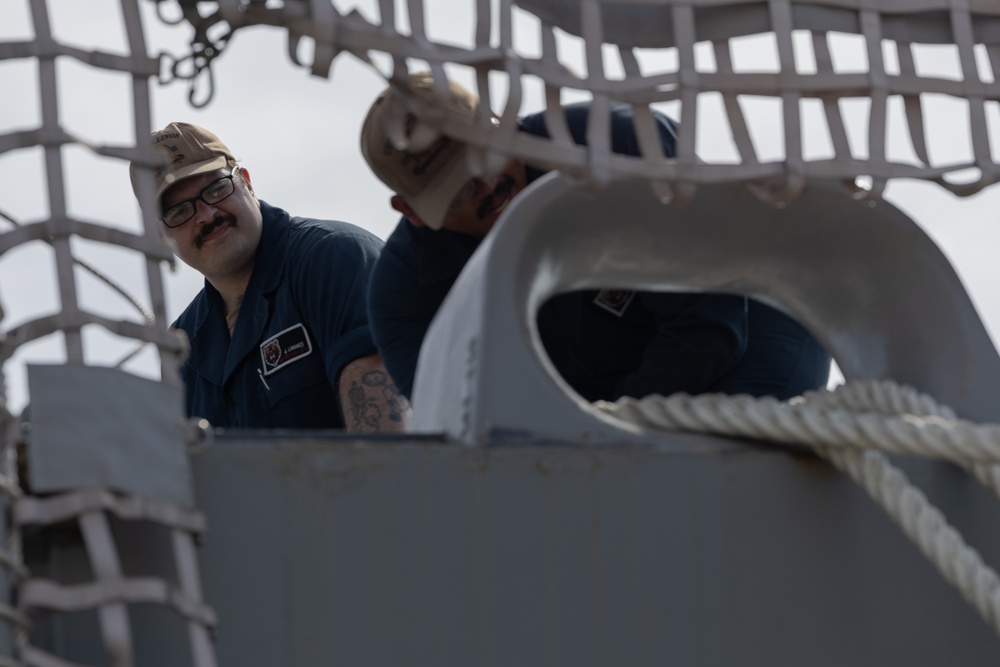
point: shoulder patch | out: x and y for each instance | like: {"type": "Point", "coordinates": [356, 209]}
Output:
{"type": "Point", "coordinates": [285, 347]}
{"type": "Point", "coordinates": [615, 301]}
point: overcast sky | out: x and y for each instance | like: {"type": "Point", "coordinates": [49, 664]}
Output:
{"type": "Point", "coordinates": [298, 136]}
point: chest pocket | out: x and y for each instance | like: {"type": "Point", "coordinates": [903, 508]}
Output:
{"type": "Point", "coordinates": [305, 376]}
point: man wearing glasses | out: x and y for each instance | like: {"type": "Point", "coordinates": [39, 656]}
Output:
{"type": "Point", "coordinates": [279, 334]}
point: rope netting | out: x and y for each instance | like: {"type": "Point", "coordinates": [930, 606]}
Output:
{"type": "Point", "coordinates": [645, 53]}
{"type": "Point", "coordinates": [59, 227]}
{"type": "Point", "coordinates": [112, 590]}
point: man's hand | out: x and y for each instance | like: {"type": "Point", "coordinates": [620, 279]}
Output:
{"type": "Point", "coordinates": [369, 400]}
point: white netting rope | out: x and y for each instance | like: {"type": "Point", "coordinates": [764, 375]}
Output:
{"type": "Point", "coordinates": [851, 427]}
{"type": "Point", "coordinates": [503, 69]}
{"type": "Point", "coordinates": [60, 229]}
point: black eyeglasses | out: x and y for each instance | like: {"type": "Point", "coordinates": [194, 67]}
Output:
{"type": "Point", "coordinates": [178, 214]}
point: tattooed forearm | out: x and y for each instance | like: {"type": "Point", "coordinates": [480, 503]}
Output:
{"type": "Point", "coordinates": [370, 401]}
{"type": "Point", "coordinates": [364, 410]}
{"type": "Point", "coordinates": [380, 382]}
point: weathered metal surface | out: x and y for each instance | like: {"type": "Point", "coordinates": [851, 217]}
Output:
{"type": "Point", "coordinates": [342, 552]}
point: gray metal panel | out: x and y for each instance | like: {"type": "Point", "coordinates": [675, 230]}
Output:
{"type": "Point", "coordinates": [871, 285]}
{"type": "Point", "coordinates": [101, 427]}
{"type": "Point", "coordinates": [354, 553]}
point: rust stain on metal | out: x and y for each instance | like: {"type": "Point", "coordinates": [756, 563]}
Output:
{"type": "Point", "coordinates": [317, 462]}
{"type": "Point", "coordinates": [546, 465]}
{"type": "Point", "coordinates": [479, 461]}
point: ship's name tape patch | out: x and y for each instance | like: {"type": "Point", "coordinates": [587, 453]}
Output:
{"type": "Point", "coordinates": [285, 347]}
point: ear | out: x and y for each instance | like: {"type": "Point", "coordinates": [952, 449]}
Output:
{"type": "Point", "coordinates": [245, 173]}
{"type": "Point", "coordinates": [401, 205]}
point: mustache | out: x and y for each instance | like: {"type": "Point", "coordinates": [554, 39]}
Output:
{"type": "Point", "coordinates": [220, 218]}
{"type": "Point", "coordinates": [499, 193]}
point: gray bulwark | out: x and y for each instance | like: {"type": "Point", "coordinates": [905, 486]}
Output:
{"type": "Point", "coordinates": [341, 552]}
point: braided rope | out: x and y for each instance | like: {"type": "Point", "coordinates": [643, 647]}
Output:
{"type": "Point", "coordinates": [817, 425]}
{"type": "Point", "coordinates": [925, 526]}
{"type": "Point", "coordinates": [890, 398]}
{"type": "Point", "coordinates": [848, 427]}
{"type": "Point", "coordinates": [887, 398]}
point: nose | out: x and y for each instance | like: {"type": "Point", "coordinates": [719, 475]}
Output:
{"type": "Point", "coordinates": [203, 211]}
{"type": "Point", "coordinates": [473, 189]}
{"type": "Point", "coordinates": [486, 185]}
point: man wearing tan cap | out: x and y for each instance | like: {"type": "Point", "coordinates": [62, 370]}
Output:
{"type": "Point", "coordinates": [279, 334]}
{"type": "Point", "coordinates": [605, 343]}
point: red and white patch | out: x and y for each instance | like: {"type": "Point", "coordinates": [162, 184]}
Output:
{"type": "Point", "coordinates": [284, 348]}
